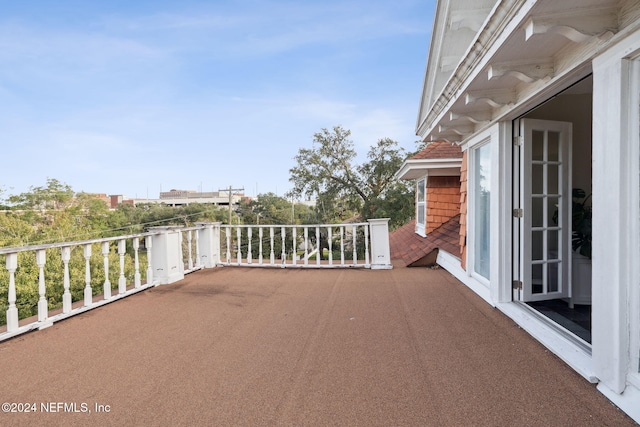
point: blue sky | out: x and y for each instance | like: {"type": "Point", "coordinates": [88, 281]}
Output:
{"type": "Point", "coordinates": [131, 97]}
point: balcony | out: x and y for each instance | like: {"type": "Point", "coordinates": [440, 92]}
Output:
{"type": "Point", "coordinates": [296, 344]}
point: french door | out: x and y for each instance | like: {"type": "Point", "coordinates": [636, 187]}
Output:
{"type": "Point", "coordinates": [543, 199]}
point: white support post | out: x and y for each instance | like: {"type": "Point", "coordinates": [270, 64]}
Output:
{"type": "Point", "coordinates": [189, 250]}
{"type": "Point", "coordinates": [208, 244]}
{"type": "Point", "coordinates": [239, 243]}
{"type": "Point", "coordinates": [354, 235]}
{"type": "Point", "coordinates": [12, 311]}
{"type": "Point", "coordinates": [136, 263]}
{"type": "Point", "coordinates": [107, 283]}
{"type": "Point", "coordinates": [260, 233]}
{"type": "Point", "coordinates": [330, 244]}
{"type": "Point", "coordinates": [380, 250]}
{"type": "Point", "coordinates": [148, 243]}
{"type": "Point", "coordinates": [273, 256]}
{"type": "Point", "coordinates": [318, 246]}
{"type": "Point", "coordinates": [168, 264]}
{"type": "Point", "coordinates": [366, 246]}
{"type": "Point", "coordinates": [88, 293]}
{"type": "Point", "coordinates": [122, 280]}
{"type": "Point", "coordinates": [306, 246]}
{"type": "Point", "coordinates": [284, 254]}
{"type": "Point", "coordinates": [341, 245]}
{"type": "Point", "coordinates": [198, 259]}
{"type": "Point", "coordinates": [294, 259]}
{"type": "Point", "coordinates": [66, 296]}
{"type": "Point", "coordinates": [249, 236]}
{"type": "Point", "coordinates": [43, 307]}
{"type": "Point", "coordinates": [227, 234]}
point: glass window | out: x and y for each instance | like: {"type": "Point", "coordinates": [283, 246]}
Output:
{"type": "Point", "coordinates": [481, 209]}
{"type": "Point", "coordinates": [421, 213]}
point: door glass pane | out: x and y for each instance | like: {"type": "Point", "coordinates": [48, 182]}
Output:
{"type": "Point", "coordinates": [481, 209]}
{"type": "Point", "coordinates": [553, 175]}
{"type": "Point", "coordinates": [537, 141]}
{"type": "Point", "coordinates": [536, 279]}
{"type": "Point", "coordinates": [537, 180]}
{"type": "Point", "coordinates": [552, 244]}
{"type": "Point", "coordinates": [420, 190]}
{"type": "Point", "coordinates": [553, 144]}
{"type": "Point", "coordinates": [553, 217]}
{"type": "Point", "coordinates": [537, 211]}
{"type": "Point", "coordinates": [552, 278]}
{"type": "Point", "coordinates": [536, 245]}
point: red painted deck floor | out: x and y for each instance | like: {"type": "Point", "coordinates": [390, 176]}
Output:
{"type": "Point", "coordinates": [254, 347]}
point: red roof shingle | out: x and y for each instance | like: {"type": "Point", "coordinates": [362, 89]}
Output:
{"type": "Point", "coordinates": [440, 150]}
{"type": "Point", "coordinates": [411, 248]}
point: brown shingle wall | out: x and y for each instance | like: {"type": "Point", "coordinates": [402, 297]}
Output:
{"type": "Point", "coordinates": [463, 211]}
{"type": "Point", "coordinates": [443, 200]}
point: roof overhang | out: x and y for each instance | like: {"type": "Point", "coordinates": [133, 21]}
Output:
{"type": "Point", "coordinates": [417, 168]}
{"type": "Point", "coordinates": [524, 49]}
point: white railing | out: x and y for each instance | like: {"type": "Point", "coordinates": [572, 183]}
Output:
{"type": "Point", "coordinates": [324, 246]}
{"type": "Point", "coordinates": [47, 283]}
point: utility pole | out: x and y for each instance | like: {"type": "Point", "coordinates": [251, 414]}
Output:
{"type": "Point", "coordinates": [230, 190]}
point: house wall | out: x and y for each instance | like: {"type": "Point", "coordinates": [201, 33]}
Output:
{"type": "Point", "coordinates": [443, 200]}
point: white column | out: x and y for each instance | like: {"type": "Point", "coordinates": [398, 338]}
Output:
{"type": "Point", "coordinates": [122, 280]}
{"type": "Point", "coordinates": [330, 244]}
{"type": "Point", "coordinates": [354, 240]}
{"type": "Point", "coordinates": [66, 296]}
{"type": "Point", "coordinates": [208, 244]}
{"type": "Point", "coordinates": [148, 244]}
{"type": "Point", "coordinates": [306, 246]}
{"type": "Point", "coordinates": [260, 233]}
{"type": "Point", "coordinates": [136, 263]}
{"type": "Point", "coordinates": [189, 250]}
{"type": "Point", "coordinates": [341, 245]}
{"type": "Point", "coordinates": [239, 243]}
{"type": "Point", "coordinates": [293, 238]}
{"type": "Point", "coordinates": [366, 245]}
{"type": "Point", "coordinates": [88, 294]}
{"type": "Point", "coordinates": [284, 254]}
{"type": "Point", "coordinates": [249, 236]}
{"type": "Point", "coordinates": [168, 264]}
{"type": "Point", "coordinates": [318, 245]}
{"type": "Point", "coordinates": [273, 256]}
{"type": "Point", "coordinates": [107, 283]}
{"type": "Point", "coordinates": [615, 218]}
{"type": "Point", "coordinates": [43, 308]}
{"type": "Point", "coordinates": [12, 311]}
{"type": "Point", "coordinates": [380, 250]}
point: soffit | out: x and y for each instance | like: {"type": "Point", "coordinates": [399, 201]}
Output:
{"type": "Point", "coordinates": [522, 46]}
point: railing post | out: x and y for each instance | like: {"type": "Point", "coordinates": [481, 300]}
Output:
{"type": "Point", "coordinates": [122, 280]}
{"type": "Point", "coordinates": [148, 245]}
{"type": "Point", "coordinates": [380, 251]}
{"type": "Point", "coordinates": [66, 296]}
{"type": "Point", "coordinates": [12, 311]}
{"type": "Point", "coordinates": [88, 293]}
{"type": "Point", "coordinates": [107, 282]}
{"type": "Point", "coordinates": [136, 263]}
{"type": "Point", "coordinates": [208, 241]}
{"type": "Point", "coordinates": [43, 306]}
{"type": "Point", "coordinates": [167, 255]}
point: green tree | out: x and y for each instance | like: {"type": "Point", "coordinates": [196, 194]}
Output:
{"type": "Point", "coordinates": [328, 171]}
{"type": "Point", "coordinates": [55, 195]}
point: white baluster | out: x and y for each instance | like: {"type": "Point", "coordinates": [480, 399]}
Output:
{"type": "Point", "coordinates": [342, 245]}
{"type": "Point", "coordinates": [88, 294]}
{"type": "Point", "coordinates": [189, 239]}
{"type": "Point", "coordinates": [66, 296]}
{"type": "Point", "coordinates": [260, 233]}
{"type": "Point", "coordinates": [136, 263]}
{"type": "Point", "coordinates": [122, 281]}
{"type": "Point", "coordinates": [306, 246]}
{"type": "Point", "coordinates": [318, 246]}
{"type": "Point", "coordinates": [249, 236]}
{"type": "Point", "coordinates": [355, 254]}
{"type": "Point", "coordinates": [198, 260]}
{"type": "Point", "coordinates": [227, 233]}
{"type": "Point", "coordinates": [329, 237]}
{"type": "Point", "coordinates": [295, 253]}
{"type": "Point", "coordinates": [273, 257]}
{"type": "Point", "coordinates": [239, 238]}
{"type": "Point", "coordinates": [43, 307]}
{"type": "Point", "coordinates": [107, 283]}
{"type": "Point", "coordinates": [366, 244]}
{"type": "Point", "coordinates": [284, 254]}
{"type": "Point", "coordinates": [148, 245]}
{"type": "Point", "coordinates": [12, 311]}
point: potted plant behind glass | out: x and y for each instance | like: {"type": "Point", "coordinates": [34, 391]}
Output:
{"type": "Point", "coordinates": [581, 223]}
